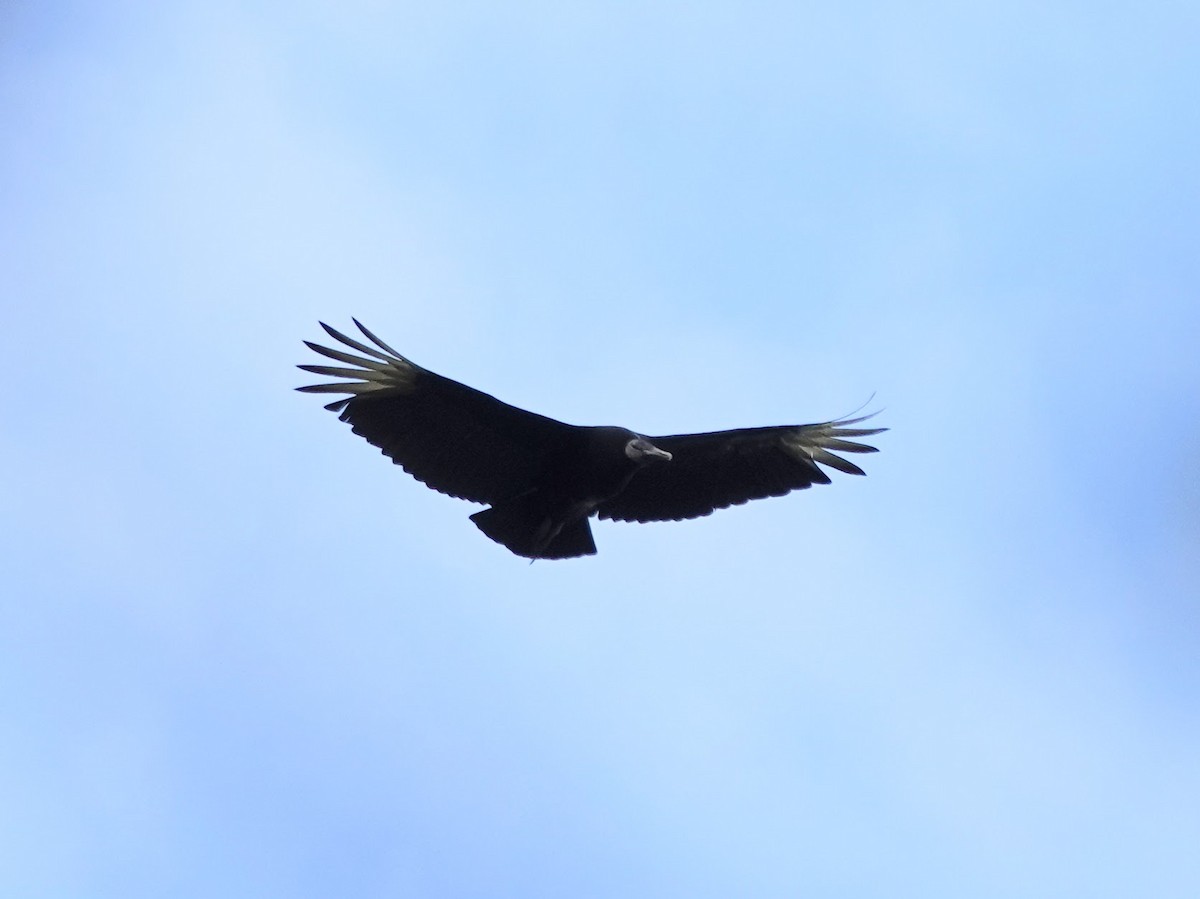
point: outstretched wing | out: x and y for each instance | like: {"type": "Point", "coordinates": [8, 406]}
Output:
{"type": "Point", "coordinates": [726, 468]}
{"type": "Point", "coordinates": [457, 440]}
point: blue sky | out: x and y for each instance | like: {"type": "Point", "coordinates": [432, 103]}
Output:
{"type": "Point", "coordinates": [242, 655]}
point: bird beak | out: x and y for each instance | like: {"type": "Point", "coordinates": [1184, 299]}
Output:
{"type": "Point", "coordinates": [655, 453]}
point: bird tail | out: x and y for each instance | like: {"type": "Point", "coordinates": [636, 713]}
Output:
{"type": "Point", "coordinates": [524, 526]}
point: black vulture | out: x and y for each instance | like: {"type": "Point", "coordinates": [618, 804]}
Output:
{"type": "Point", "coordinates": [543, 479]}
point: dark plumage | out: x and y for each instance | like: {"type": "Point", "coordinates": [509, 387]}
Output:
{"type": "Point", "coordinates": [542, 478]}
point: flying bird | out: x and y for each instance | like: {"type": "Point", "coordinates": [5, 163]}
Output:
{"type": "Point", "coordinates": [543, 479]}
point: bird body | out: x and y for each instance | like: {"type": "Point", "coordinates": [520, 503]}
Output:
{"type": "Point", "coordinates": [549, 520]}
{"type": "Point", "coordinates": [543, 479]}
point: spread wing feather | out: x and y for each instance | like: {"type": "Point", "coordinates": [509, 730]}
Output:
{"type": "Point", "coordinates": [457, 440]}
{"type": "Point", "coordinates": [727, 468]}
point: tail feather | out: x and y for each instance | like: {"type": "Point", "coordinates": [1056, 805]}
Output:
{"type": "Point", "coordinates": [527, 530]}
{"type": "Point", "coordinates": [575, 539]}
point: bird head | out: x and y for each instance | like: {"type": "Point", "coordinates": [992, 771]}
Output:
{"type": "Point", "coordinates": [641, 450]}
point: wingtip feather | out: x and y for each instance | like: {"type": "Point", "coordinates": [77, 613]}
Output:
{"type": "Point", "coordinates": [377, 371]}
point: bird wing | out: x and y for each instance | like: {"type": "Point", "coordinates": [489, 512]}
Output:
{"type": "Point", "coordinates": [457, 440]}
{"type": "Point", "coordinates": [726, 468]}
